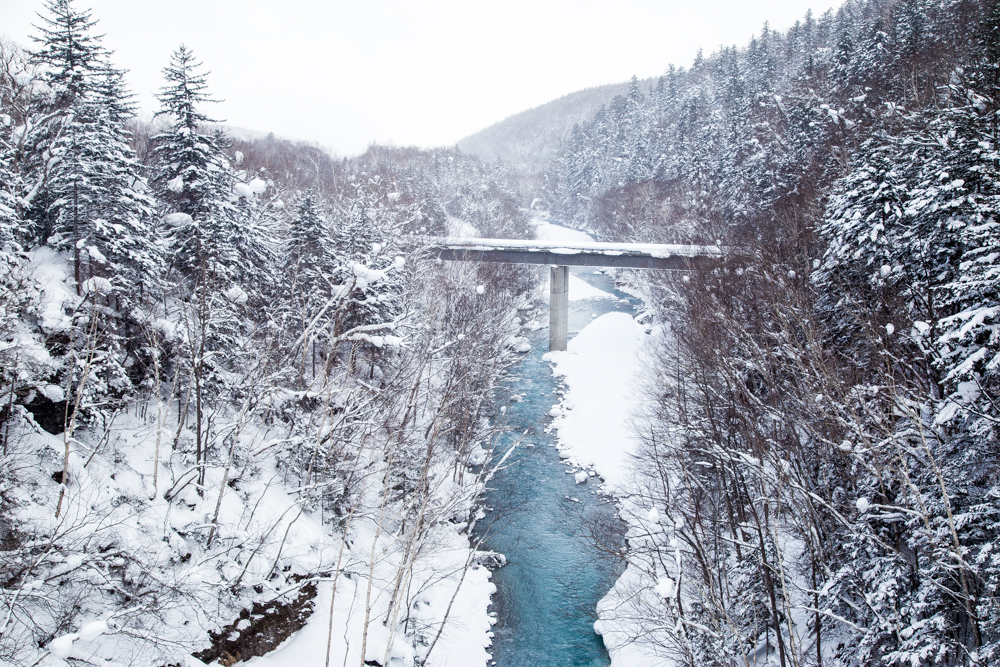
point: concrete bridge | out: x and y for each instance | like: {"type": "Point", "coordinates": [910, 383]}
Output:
{"type": "Point", "coordinates": [560, 256]}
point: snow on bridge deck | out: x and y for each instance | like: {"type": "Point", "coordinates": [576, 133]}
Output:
{"type": "Point", "coordinates": [579, 253]}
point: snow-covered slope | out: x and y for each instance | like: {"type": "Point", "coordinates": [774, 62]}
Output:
{"type": "Point", "coordinates": [528, 141]}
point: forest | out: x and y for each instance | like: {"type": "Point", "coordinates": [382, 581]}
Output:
{"type": "Point", "coordinates": [820, 432]}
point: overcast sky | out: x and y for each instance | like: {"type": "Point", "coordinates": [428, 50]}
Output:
{"type": "Point", "coordinates": [346, 73]}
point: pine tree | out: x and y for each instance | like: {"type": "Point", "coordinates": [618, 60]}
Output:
{"type": "Point", "coordinates": [96, 207]}
{"type": "Point", "coordinates": [364, 236]}
{"type": "Point", "coordinates": [9, 181]}
{"type": "Point", "coordinates": [306, 251]}
{"type": "Point", "coordinates": [125, 232]}
{"type": "Point", "coordinates": [101, 213]}
{"type": "Point", "coordinates": [69, 50]}
{"type": "Point", "coordinates": [192, 175]}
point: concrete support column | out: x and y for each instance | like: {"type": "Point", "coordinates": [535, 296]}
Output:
{"type": "Point", "coordinates": [558, 307]}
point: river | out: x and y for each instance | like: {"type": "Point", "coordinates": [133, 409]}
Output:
{"type": "Point", "coordinates": [548, 591]}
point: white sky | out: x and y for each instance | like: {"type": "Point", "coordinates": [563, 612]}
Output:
{"type": "Point", "coordinates": [346, 73]}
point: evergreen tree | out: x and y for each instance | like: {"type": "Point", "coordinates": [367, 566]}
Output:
{"type": "Point", "coordinates": [192, 175]}
{"type": "Point", "coordinates": [364, 238]}
{"type": "Point", "coordinates": [96, 207]}
{"type": "Point", "coordinates": [69, 50]}
{"type": "Point", "coordinates": [9, 223]}
{"type": "Point", "coordinates": [306, 251]}
{"type": "Point", "coordinates": [101, 213]}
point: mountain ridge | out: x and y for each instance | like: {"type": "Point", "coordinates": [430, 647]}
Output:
{"type": "Point", "coordinates": [528, 140]}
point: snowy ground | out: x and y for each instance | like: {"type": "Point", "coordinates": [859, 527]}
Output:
{"type": "Point", "coordinates": [600, 368]}
{"type": "Point", "coordinates": [464, 639]}
{"type": "Point", "coordinates": [143, 561]}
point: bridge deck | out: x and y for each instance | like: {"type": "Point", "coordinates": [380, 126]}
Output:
{"type": "Point", "coordinates": [560, 256]}
{"type": "Point", "coordinates": [621, 255]}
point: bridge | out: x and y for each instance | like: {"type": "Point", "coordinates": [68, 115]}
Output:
{"type": "Point", "coordinates": [560, 256]}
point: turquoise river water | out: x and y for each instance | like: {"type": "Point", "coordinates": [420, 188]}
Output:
{"type": "Point", "coordinates": [548, 591]}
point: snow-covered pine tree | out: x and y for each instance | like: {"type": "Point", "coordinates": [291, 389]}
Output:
{"type": "Point", "coordinates": [252, 221]}
{"type": "Point", "coordinates": [125, 232]}
{"type": "Point", "coordinates": [69, 50]}
{"type": "Point", "coordinates": [221, 227]}
{"type": "Point", "coordinates": [306, 254]}
{"type": "Point", "coordinates": [102, 213]}
{"type": "Point", "coordinates": [97, 207]}
{"type": "Point", "coordinates": [88, 198]}
{"type": "Point", "coordinates": [191, 174]}
{"type": "Point", "coordinates": [307, 283]}
{"type": "Point", "coordinates": [68, 56]}
{"type": "Point", "coordinates": [9, 182]}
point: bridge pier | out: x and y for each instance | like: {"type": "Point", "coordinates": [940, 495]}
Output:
{"type": "Point", "coordinates": [558, 307]}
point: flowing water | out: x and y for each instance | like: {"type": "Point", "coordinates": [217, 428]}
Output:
{"type": "Point", "coordinates": [548, 591]}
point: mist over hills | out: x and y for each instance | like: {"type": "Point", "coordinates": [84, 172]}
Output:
{"type": "Point", "coordinates": [529, 140]}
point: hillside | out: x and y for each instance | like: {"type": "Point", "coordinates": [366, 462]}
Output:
{"type": "Point", "coordinates": [529, 140]}
{"type": "Point", "coordinates": [816, 480]}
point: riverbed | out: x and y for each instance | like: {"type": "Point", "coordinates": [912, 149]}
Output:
{"type": "Point", "coordinates": [539, 517]}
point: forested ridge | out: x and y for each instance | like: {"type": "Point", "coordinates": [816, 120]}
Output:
{"type": "Point", "coordinates": [227, 379]}
{"type": "Point", "coordinates": [819, 462]}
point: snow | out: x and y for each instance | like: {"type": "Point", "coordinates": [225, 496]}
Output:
{"type": "Point", "coordinates": [581, 477]}
{"type": "Point", "coordinates": [91, 631]}
{"type": "Point", "coordinates": [257, 186]}
{"type": "Point", "coordinates": [600, 367]}
{"type": "Point", "coordinates": [862, 504]}
{"type": "Point", "coordinates": [519, 344]}
{"type": "Point", "coordinates": [53, 392]}
{"type": "Point", "coordinates": [236, 295]}
{"type": "Point", "coordinates": [176, 184]}
{"type": "Point", "coordinates": [177, 219]}
{"type": "Point", "coordinates": [545, 231]}
{"type": "Point", "coordinates": [268, 519]}
{"type": "Point", "coordinates": [243, 190]}
{"type": "Point", "coordinates": [62, 647]}
{"type": "Point", "coordinates": [460, 229]}
{"type": "Point", "coordinates": [480, 289]}
{"type": "Point", "coordinates": [50, 270]}
{"type": "Point", "coordinates": [464, 640]}
{"type": "Point", "coordinates": [97, 255]}
{"type": "Point", "coordinates": [365, 276]}
{"type": "Point", "coordinates": [97, 285]}
{"type": "Point", "coordinates": [580, 290]}
{"type": "Point", "coordinates": [665, 587]}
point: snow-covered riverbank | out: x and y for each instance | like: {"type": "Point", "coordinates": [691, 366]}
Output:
{"type": "Point", "coordinates": [602, 371]}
